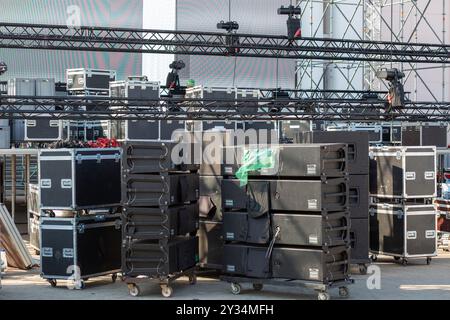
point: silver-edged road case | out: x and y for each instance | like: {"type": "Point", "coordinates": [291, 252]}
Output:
{"type": "Point", "coordinates": [403, 172]}
{"type": "Point", "coordinates": [75, 179]}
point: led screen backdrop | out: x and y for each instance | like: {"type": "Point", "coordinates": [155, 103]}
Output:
{"type": "Point", "coordinates": [40, 63]}
{"type": "Point", "coordinates": [253, 16]}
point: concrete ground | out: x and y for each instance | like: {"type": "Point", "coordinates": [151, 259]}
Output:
{"type": "Point", "coordinates": [415, 281]}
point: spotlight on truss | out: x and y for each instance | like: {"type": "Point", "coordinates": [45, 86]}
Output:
{"type": "Point", "coordinates": [396, 96]}
{"type": "Point", "coordinates": [294, 29]}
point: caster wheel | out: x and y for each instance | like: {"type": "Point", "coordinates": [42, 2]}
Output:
{"type": "Point", "coordinates": [192, 279]}
{"type": "Point", "coordinates": [323, 296]}
{"type": "Point", "coordinates": [404, 262]}
{"type": "Point", "coordinates": [134, 290]}
{"type": "Point", "coordinates": [52, 282]}
{"type": "Point", "coordinates": [235, 288]}
{"type": "Point", "coordinates": [362, 269]}
{"type": "Point", "coordinates": [428, 261]}
{"type": "Point", "coordinates": [396, 258]}
{"type": "Point", "coordinates": [166, 291]}
{"type": "Point", "coordinates": [258, 286]}
{"type": "Point", "coordinates": [79, 285]}
{"type": "Point", "coordinates": [373, 258]}
{"type": "Point", "coordinates": [114, 278]}
{"type": "Point", "coordinates": [343, 292]}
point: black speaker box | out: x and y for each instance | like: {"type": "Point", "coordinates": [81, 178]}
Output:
{"type": "Point", "coordinates": [160, 223]}
{"type": "Point", "coordinates": [359, 196]}
{"type": "Point", "coordinates": [309, 195]}
{"type": "Point", "coordinates": [159, 259]}
{"type": "Point", "coordinates": [359, 236]}
{"type": "Point", "coordinates": [311, 230]}
{"type": "Point", "coordinates": [358, 146]}
{"type": "Point", "coordinates": [245, 260]}
{"type": "Point", "coordinates": [252, 197]}
{"type": "Point", "coordinates": [156, 156]}
{"type": "Point", "coordinates": [242, 227]}
{"type": "Point", "coordinates": [310, 264]}
{"type": "Point", "coordinates": [145, 190]}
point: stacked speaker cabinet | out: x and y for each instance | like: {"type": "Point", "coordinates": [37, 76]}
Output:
{"type": "Point", "coordinates": [358, 169]}
{"type": "Point", "coordinates": [402, 214]}
{"type": "Point", "coordinates": [210, 232]}
{"type": "Point", "coordinates": [160, 219]}
{"type": "Point", "coordinates": [288, 219]}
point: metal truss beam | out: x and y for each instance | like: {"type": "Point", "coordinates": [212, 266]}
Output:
{"type": "Point", "coordinates": [101, 108]}
{"type": "Point", "coordinates": [55, 37]}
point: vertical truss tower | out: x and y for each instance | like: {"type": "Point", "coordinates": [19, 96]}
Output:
{"type": "Point", "coordinates": [409, 21]}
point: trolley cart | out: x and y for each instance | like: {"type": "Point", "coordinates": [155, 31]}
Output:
{"type": "Point", "coordinates": [320, 287]}
{"type": "Point", "coordinates": [164, 282]}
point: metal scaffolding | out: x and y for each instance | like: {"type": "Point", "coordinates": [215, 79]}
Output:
{"type": "Point", "coordinates": [399, 21]}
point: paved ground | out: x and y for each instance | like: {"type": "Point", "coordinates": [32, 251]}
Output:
{"type": "Point", "coordinates": [415, 281]}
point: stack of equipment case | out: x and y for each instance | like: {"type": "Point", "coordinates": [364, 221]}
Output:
{"type": "Point", "coordinates": [289, 220]}
{"type": "Point", "coordinates": [424, 135]}
{"type": "Point", "coordinates": [43, 130]}
{"type": "Point", "coordinates": [36, 130]}
{"type": "Point", "coordinates": [141, 130]}
{"type": "Point", "coordinates": [375, 131]}
{"type": "Point", "coordinates": [392, 133]}
{"type": "Point", "coordinates": [18, 87]}
{"type": "Point", "coordinates": [78, 200]}
{"type": "Point", "coordinates": [84, 82]}
{"type": "Point", "coordinates": [213, 94]}
{"type": "Point", "coordinates": [358, 169]}
{"type": "Point", "coordinates": [160, 215]}
{"type": "Point", "coordinates": [402, 213]}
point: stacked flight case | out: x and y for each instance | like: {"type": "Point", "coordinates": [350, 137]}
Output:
{"type": "Point", "coordinates": [141, 130]}
{"type": "Point", "coordinates": [36, 130]}
{"type": "Point", "coordinates": [213, 94]}
{"type": "Point", "coordinates": [84, 82]}
{"type": "Point", "coordinates": [424, 135]}
{"type": "Point", "coordinates": [402, 214]}
{"type": "Point", "coordinates": [358, 169]}
{"type": "Point", "coordinates": [287, 223]}
{"type": "Point", "coordinates": [76, 209]}
{"type": "Point", "coordinates": [160, 215]}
